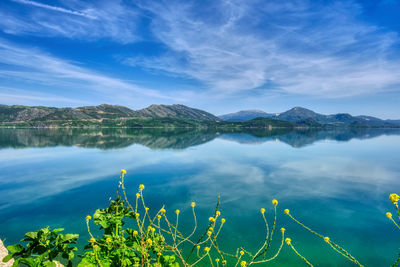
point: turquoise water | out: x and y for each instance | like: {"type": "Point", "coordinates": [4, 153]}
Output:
{"type": "Point", "coordinates": [336, 182]}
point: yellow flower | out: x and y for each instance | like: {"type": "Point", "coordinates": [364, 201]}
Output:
{"type": "Point", "coordinates": [146, 209]}
{"type": "Point", "coordinates": [274, 202]}
{"type": "Point", "coordinates": [162, 211]}
{"type": "Point", "coordinates": [177, 212]}
{"type": "Point", "coordinates": [159, 254]}
{"type": "Point", "coordinates": [211, 219]}
{"type": "Point", "coordinates": [141, 187]}
{"type": "Point", "coordinates": [108, 240]}
{"type": "Point", "coordinates": [224, 262]}
{"type": "Point", "coordinates": [326, 239]}
{"type": "Point", "coordinates": [209, 233]}
{"type": "Point", "coordinates": [218, 213]}
{"type": "Point", "coordinates": [286, 211]}
{"type": "Point", "coordinates": [88, 218]}
{"type": "Point", "coordinates": [123, 172]}
{"type": "Point", "coordinates": [262, 210]}
{"type": "Point", "coordinates": [394, 198]}
{"type": "Point", "coordinates": [198, 247]}
{"type": "Point", "coordinates": [193, 204]}
{"type": "Point", "coordinates": [92, 240]}
{"type": "Point", "coordinates": [149, 241]}
{"type": "Point", "coordinates": [243, 264]}
{"type": "Point", "coordinates": [137, 215]}
{"type": "Point", "coordinates": [217, 260]}
{"type": "Point", "coordinates": [206, 249]}
{"type": "Point", "coordinates": [223, 220]}
{"type": "Point", "coordinates": [288, 241]}
{"type": "Point", "coordinates": [389, 215]}
{"type": "Point", "coordinates": [241, 252]}
{"type": "Point", "coordinates": [135, 232]}
{"type": "Point", "coordinates": [158, 216]}
{"type": "Point", "coordinates": [283, 230]}
{"type": "Point", "coordinates": [137, 195]}
{"type": "Point", "coordinates": [95, 247]}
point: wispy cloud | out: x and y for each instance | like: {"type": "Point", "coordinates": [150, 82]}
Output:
{"type": "Point", "coordinates": [298, 47]}
{"type": "Point", "coordinates": [78, 20]}
{"type": "Point", "coordinates": [26, 97]}
{"type": "Point", "coordinates": [29, 65]}
{"type": "Point", "coordinates": [54, 8]}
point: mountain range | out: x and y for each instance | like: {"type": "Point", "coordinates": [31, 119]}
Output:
{"type": "Point", "coordinates": [104, 111]}
{"type": "Point", "coordinates": [299, 114]}
{"type": "Point", "coordinates": [181, 116]}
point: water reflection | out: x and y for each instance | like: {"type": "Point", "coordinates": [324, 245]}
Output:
{"type": "Point", "coordinates": [175, 138]}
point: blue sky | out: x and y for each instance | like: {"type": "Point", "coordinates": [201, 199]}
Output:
{"type": "Point", "coordinates": [220, 56]}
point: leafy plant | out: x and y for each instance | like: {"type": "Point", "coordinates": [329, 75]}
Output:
{"type": "Point", "coordinates": [43, 248]}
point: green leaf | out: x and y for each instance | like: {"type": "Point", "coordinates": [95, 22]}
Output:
{"type": "Point", "coordinates": [31, 235]}
{"type": "Point", "coordinates": [39, 249]}
{"type": "Point", "coordinates": [15, 248]}
{"type": "Point", "coordinates": [16, 262]}
{"type": "Point", "coordinates": [70, 237]}
{"type": "Point", "coordinates": [71, 255]}
{"type": "Point", "coordinates": [86, 263]}
{"type": "Point", "coordinates": [53, 254]}
{"type": "Point", "coordinates": [49, 264]}
{"type": "Point", "coordinates": [28, 261]}
{"type": "Point", "coordinates": [7, 258]}
{"type": "Point", "coordinates": [56, 231]}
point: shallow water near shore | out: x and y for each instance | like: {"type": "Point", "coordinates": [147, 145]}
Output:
{"type": "Point", "coordinates": [335, 181]}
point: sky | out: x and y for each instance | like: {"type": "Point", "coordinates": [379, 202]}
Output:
{"type": "Point", "coordinates": [218, 55]}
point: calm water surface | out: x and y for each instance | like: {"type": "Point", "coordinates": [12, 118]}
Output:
{"type": "Point", "coordinates": [337, 182]}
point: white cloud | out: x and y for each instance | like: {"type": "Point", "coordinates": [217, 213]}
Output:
{"type": "Point", "coordinates": [54, 8]}
{"type": "Point", "coordinates": [80, 20]}
{"type": "Point", "coordinates": [299, 47]}
{"type": "Point", "coordinates": [66, 78]}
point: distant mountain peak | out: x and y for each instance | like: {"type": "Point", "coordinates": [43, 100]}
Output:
{"type": "Point", "coordinates": [306, 116]}
{"type": "Point", "coordinates": [175, 111]}
{"type": "Point", "coordinates": [245, 115]}
{"type": "Point", "coordinates": [300, 109]}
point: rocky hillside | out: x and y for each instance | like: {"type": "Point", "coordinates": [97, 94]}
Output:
{"type": "Point", "coordinates": [39, 113]}
{"type": "Point", "coordinates": [175, 111]}
{"type": "Point", "coordinates": [104, 111]}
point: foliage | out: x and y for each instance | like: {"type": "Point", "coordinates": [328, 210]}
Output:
{"type": "Point", "coordinates": [44, 246]}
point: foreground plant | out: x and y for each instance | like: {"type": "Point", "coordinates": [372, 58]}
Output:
{"type": "Point", "coordinates": [394, 198]}
{"type": "Point", "coordinates": [155, 240]}
{"type": "Point", "coordinates": [43, 248]}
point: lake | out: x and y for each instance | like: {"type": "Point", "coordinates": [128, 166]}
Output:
{"type": "Point", "coordinates": [335, 181]}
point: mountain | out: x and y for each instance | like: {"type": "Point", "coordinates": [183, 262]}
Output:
{"type": "Point", "coordinates": [99, 113]}
{"type": "Point", "coordinates": [308, 117]}
{"type": "Point", "coordinates": [246, 115]}
{"type": "Point", "coordinates": [39, 113]}
{"type": "Point", "coordinates": [175, 111]}
{"type": "Point", "coordinates": [297, 114]}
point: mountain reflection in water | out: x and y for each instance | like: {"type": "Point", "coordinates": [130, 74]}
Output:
{"type": "Point", "coordinates": [176, 138]}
